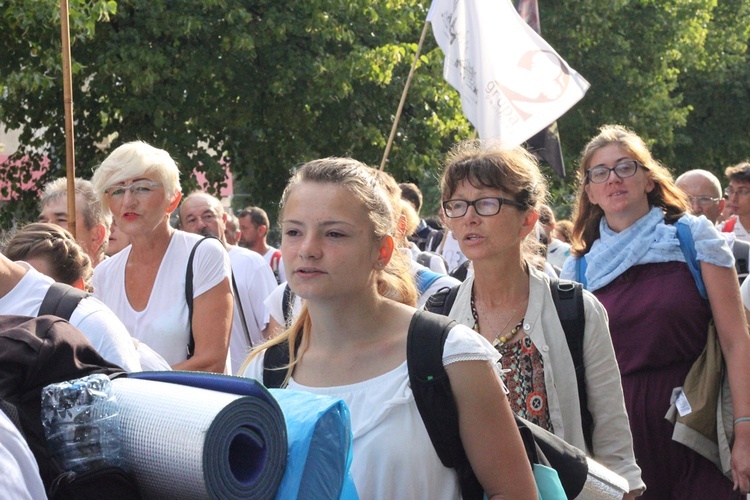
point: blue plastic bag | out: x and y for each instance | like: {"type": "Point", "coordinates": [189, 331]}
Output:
{"type": "Point", "coordinates": [320, 447]}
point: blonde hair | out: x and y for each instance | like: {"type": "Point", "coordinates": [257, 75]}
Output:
{"type": "Point", "coordinates": [665, 194]}
{"type": "Point", "coordinates": [135, 159]}
{"type": "Point", "coordinates": [381, 197]}
{"type": "Point", "coordinates": [512, 170]}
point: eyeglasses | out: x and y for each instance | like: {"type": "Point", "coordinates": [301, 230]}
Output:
{"type": "Point", "coordinates": [600, 173]}
{"type": "Point", "coordinates": [703, 201]}
{"type": "Point", "coordinates": [739, 192]}
{"type": "Point", "coordinates": [482, 206]}
{"type": "Point", "coordinates": [139, 189]}
{"type": "Point", "coordinates": [206, 217]}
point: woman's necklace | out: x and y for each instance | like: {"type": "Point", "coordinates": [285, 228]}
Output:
{"type": "Point", "coordinates": [499, 337]}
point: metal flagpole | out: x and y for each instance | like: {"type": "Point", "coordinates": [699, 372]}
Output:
{"type": "Point", "coordinates": [68, 99]}
{"type": "Point", "coordinates": [403, 96]}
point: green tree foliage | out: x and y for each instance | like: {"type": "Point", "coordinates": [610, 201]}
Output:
{"type": "Point", "coordinates": [262, 85]}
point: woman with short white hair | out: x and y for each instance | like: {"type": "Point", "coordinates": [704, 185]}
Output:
{"type": "Point", "coordinates": [144, 284]}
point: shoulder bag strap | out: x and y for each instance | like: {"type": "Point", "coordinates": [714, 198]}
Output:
{"type": "Point", "coordinates": [189, 294]}
{"type": "Point", "coordinates": [568, 299]}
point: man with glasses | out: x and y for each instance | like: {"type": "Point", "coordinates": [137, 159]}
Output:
{"type": "Point", "coordinates": [92, 222]}
{"type": "Point", "coordinates": [738, 201]}
{"type": "Point", "coordinates": [201, 213]}
{"type": "Point", "coordinates": [704, 191]}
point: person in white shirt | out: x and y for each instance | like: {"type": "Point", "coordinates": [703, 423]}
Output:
{"type": "Point", "coordinates": [254, 226]}
{"type": "Point", "coordinates": [704, 193]}
{"type": "Point", "coordinates": [338, 227]}
{"type": "Point", "coordinates": [145, 283]}
{"type": "Point", "coordinates": [557, 251]}
{"type": "Point", "coordinates": [22, 290]}
{"type": "Point", "coordinates": [738, 201]}
{"type": "Point", "coordinates": [203, 214]}
{"type": "Point", "coordinates": [20, 478]}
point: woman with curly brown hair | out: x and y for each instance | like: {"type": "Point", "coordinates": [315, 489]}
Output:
{"type": "Point", "coordinates": [627, 252]}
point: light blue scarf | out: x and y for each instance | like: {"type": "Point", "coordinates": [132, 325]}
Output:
{"type": "Point", "coordinates": [649, 240]}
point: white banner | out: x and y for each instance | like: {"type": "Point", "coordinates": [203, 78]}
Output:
{"type": "Point", "coordinates": [512, 83]}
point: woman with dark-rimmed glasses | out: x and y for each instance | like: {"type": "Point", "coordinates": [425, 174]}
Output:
{"type": "Point", "coordinates": [491, 199]}
{"type": "Point", "coordinates": [627, 251]}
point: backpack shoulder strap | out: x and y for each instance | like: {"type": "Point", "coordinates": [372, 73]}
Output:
{"type": "Point", "coordinates": [240, 309]}
{"type": "Point", "coordinates": [568, 299]}
{"type": "Point", "coordinates": [61, 300]}
{"type": "Point", "coordinates": [581, 266]}
{"type": "Point", "coordinates": [275, 358]}
{"type": "Point", "coordinates": [287, 305]}
{"type": "Point", "coordinates": [425, 278]}
{"type": "Point", "coordinates": [441, 301]}
{"type": "Point", "coordinates": [741, 249]}
{"type": "Point", "coordinates": [687, 245]}
{"type": "Point", "coordinates": [432, 394]}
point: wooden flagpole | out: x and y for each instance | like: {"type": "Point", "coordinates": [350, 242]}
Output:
{"type": "Point", "coordinates": [403, 96]}
{"type": "Point", "coordinates": [70, 157]}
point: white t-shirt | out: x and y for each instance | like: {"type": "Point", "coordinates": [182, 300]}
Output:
{"type": "Point", "coordinates": [100, 325]}
{"type": "Point", "coordinates": [20, 478]}
{"type": "Point", "coordinates": [393, 455]}
{"type": "Point", "coordinates": [442, 282]}
{"type": "Point", "coordinates": [739, 230]}
{"type": "Point", "coordinates": [163, 324]}
{"type": "Point", "coordinates": [434, 262]}
{"type": "Point", "coordinates": [745, 292]}
{"type": "Point", "coordinates": [269, 257]}
{"type": "Point", "coordinates": [255, 281]}
{"type": "Point", "coordinates": [451, 251]}
{"type": "Point", "coordinates": [557, 252]}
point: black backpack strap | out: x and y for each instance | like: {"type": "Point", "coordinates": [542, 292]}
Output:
{"type": "Point", "coordinates": [240, 309]}
{"type": "Point", "coordinates": [287, 305]}
{"type": "Point", "coordinates": [741, 249]}
{"type": "Point", "coordinates": [568, 298]}
{"type": "Point", "coordinates": [442, 301]}
{"type": "Point", "coordinates": [434, 398]}
{"type": "Point", "coordinates": [61, 300]}
{"type": "Point", "coordinates": [462, 271]}
{"type": "Point", "coordinates": [275, 357]}
{"type": "Point", "coordinates": [189, 294]}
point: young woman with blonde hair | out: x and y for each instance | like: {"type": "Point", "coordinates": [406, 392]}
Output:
{"type": "Point", "coordinates": [338, 227]}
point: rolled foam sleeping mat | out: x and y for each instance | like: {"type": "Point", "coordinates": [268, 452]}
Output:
{"type": "Point", "coordinates": [188, 442]}
{"type": "Point", "coordinates": [320, 446]}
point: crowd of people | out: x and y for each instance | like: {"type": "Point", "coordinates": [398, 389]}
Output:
{"type": "Point", "coordinates": [356, 262]}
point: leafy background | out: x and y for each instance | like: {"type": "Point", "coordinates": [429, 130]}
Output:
{"type": "Point", "coordinates": [262, 86]}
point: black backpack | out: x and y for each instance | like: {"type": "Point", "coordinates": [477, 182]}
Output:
{"type": "Point", "coordinates": [36, 352]}
{"type": "Point", "coordinates": [432, 393]}
{"type": "Point", "coordinates": [568, 298]}
{"type": "Point", "coordinates": [61, 300]}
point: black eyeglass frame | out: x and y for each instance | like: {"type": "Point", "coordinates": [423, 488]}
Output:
{"type": "Point", "coordinates": [502, 201]}
{"type": "Point", "coordinates": [613, 169]}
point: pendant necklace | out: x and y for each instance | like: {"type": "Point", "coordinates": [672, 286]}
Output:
{"type": "Point", "coordinates": [499, 337]}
